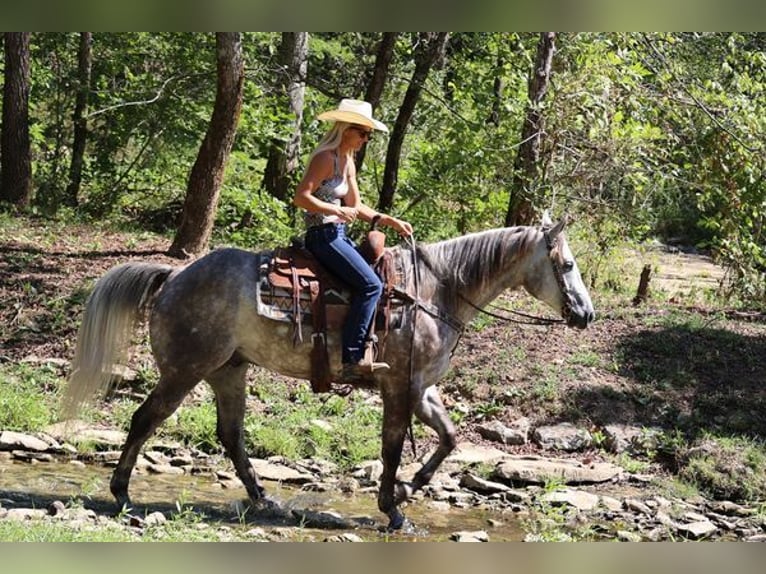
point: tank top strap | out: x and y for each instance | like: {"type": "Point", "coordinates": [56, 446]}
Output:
{"type": "Point", "coordinates": [336, 163]}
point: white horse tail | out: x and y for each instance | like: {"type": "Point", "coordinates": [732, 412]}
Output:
{"type": "Point", "coordinates": [111, 314]}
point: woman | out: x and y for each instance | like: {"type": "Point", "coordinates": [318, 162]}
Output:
{"type": "Point", "coordinates": [330, 195]}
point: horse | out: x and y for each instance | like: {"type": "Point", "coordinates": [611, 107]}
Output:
{"type": "Point", "coordinates": [204, 325]}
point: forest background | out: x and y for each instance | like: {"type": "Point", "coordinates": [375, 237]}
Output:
{"type": "Point", "coordinates": [203, 136]}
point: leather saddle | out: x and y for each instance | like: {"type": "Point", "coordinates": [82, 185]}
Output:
{"type": "Point", "coordinates": [295, 270]}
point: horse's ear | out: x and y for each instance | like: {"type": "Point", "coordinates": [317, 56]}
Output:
{"type": "Point", "coordinates": [547, 222]}
{"type": "Point", "coordinates": [559, 227]}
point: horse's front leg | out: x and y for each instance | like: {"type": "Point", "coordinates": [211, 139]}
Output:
{"type": "Point", "coordinates": [430, 410]}
{"type": "Point", "coordinates": [396, 416]}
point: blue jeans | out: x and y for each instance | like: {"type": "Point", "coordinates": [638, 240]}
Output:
{"type": "Point", "coordinates": [329, 244]}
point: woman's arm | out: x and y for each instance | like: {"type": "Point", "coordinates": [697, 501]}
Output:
{"type": "Point", "coordinates": [367, 213]}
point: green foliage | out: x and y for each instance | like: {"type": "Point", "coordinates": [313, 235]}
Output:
{"type": "Point", "coordinates": [299, 424]}
{"type": "Point", "coordinates": [645, 135]}
{"type": "Point", "coordinates": [26, 401]}
{"type": "Point", "coordinates": [727, 468]}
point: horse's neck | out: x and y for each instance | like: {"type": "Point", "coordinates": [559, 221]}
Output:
{"type": "Point", "coordinates": [478, 267]}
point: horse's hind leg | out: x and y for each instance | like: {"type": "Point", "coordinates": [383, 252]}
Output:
{"type": "Point", "coordinates": [229, 385]}
{"type": "Point", "coordinates": [430, 410]}
{"type": "Point", "coordinates": [158, 406]}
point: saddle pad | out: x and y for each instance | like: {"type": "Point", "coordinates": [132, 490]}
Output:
{"type": "Point", "coordinates": [276, 302]}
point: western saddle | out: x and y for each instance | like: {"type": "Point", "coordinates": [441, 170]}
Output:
{"type": "Point", "coordinates": [295, 270]}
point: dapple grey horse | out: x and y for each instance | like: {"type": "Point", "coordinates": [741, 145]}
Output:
{"type": "Point", "coordinates": [204, 325]}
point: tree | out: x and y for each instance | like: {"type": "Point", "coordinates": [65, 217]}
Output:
{"type": "Point", "coordinates": [383, 58]}
{"type": "Point", "coordinates": [204, 184]}
{"type": "Point", "coordinates": [16, 180]}
{"type": "Point", "coordinates": [527, 164]}
{"type": "Point", "coordinates": [84, 65]}
{"type": "Point", "coordinates": [431, 46]}
{"type": "Point", "coordinates": [284, 158]}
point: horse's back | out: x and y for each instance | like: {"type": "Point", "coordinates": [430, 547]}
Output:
{"type": "Point", "coordinates": [196, 315]}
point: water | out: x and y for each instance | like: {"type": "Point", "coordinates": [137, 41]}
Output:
{"type": "Point", "coordinates": [37, 485]}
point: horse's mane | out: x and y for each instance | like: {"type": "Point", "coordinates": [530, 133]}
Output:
{"type": "Point", "coordinates": [471, 259]}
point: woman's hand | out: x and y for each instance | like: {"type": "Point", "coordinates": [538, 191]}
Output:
{"type": "Point", "coordinates": [348, 214]}
{"type": "Point", "coordinates": [402, 227]}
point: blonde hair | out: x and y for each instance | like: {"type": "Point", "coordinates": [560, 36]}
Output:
{"type": "Point", "coordinates": [332, 139]}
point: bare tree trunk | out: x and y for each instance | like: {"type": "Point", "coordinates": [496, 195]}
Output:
{"type": "Point", "coordinates": [378, 81]}
{"type": "Point", "coordinates": [431, 46]}
{"type": "Point", "coordinates": [84, 65]}
{"type": "Point", "coordinates": [206, 175]}
{"type": "Point", "coordinates": [284, 159]}
{"type": "Point", "coordinates": [526, 167]}
{"type": "Point", "coordinates": [16, 162]}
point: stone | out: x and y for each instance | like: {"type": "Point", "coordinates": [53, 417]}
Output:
{"type": "Point", "coordinates": [345, 537]}
{"type": "Point", "coordinates": [498, 432]}
{"type": "Point", "coordinates": [11, 440]}
{"type": "Point", "coordinates": [469, 536]}
{"type": "Point", "coordinates": [578, 499]}
{"type": "Point", "coordinates": [478, 484]}
{"type": "Point", "coordinates": [564, 436]}
{"type": "Point", "coordinates": [538, 470]}
{"type": "Point", "coordinates": [279, 473]}
{"type": "Point", "coordinates": [697, 530]}
{"type": "Point", "coordinates": [467, 453]}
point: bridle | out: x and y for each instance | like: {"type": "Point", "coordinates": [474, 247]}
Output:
{"type": "Point", "coordinates": [551, 243]}
{"type": "Point", "coordinates": [566, 309]}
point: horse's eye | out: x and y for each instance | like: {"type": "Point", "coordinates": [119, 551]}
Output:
{"type": "Point", "coordinates": [568, 266]}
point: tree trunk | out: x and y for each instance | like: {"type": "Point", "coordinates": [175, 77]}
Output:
{"type": "Point", "coordinates": [431, 46]}
{"type": "Point", "coordinates": [284, 159]}
{"type": "Point", "coordinates": [84, 65]}
{"type": "Point", "coordinates": [526, 167]}
{"type": "Point", "coordinates": [378, 81]}
{"type": "Point", "coordinates": [207, 173]}
{"type": "Point", "coordinates": [16, 162]}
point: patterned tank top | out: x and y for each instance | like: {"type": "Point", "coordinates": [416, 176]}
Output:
{"type": "Point", "coordinates": [330, 190]}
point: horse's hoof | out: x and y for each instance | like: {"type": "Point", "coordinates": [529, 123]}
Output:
{"type": "Point", "coordinates": [396, 522]}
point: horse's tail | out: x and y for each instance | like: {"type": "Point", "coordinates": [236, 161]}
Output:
{"type": "Point", "coordinates": [111, 313]}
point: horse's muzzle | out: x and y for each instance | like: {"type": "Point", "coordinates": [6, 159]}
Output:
{"type": "Point", "coordinates": [580, 319]}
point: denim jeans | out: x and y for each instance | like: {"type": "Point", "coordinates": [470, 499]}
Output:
{"type": "Point", "coordinates": [329, 244]}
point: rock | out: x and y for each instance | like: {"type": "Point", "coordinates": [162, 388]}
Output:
{"type": "Point", "coordinates": [369, 472]}
{"type": "Point", "coordinates": [564, 436]}
{"type": "Point", "coordinates": [625, 536]}
{"type": "Point", "coordinates": [478, 484]}
{"type": "Point", "coordinates": [164, 469]}
{"type": "Point", "coordinates": [10, 440]}
{"type": "Point", "coordinates": [56, 508]}
{"type": "Point", "coordinates": [498, 432]}
{"type": "Point", "coordinates": [467, 453]}
{"type": "Point", "coordinates": [578, 499]}
{"type": "Point", "coordinates": [279, 472]}
{"type": "Point", "coordinates": [541, 470]}
{"type": "Point", "coordinates": [22, 514]}
{"type": "Point", "coordinates": [697, 530]}
{"type": "Point", "coordinates": [618, 437]}
{"type": "Point", "coordinates": [345, 537]}
{"type": "Point", "coordinates": [155, 519]}
{"type": "Point", "coordinates": [469, 536]}
{"type": "Point", "coordinates": [32, 456]}
{"type": "Point", "coordinates": [637, 506]}
{"type": "Point", "coordinates": [322, 519]}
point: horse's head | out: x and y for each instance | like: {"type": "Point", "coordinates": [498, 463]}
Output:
{"type": "Point", "coordinates": [555, 277]}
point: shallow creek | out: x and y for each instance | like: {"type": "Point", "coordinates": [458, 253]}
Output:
{"type": "Point", "coordinates": [38, 485]}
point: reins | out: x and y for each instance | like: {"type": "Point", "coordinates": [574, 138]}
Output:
{"type": "Point", "coordinates": [534, 319]}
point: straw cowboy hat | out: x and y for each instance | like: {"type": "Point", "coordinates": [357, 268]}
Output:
{"type": "Point", "coordinates": [354, 112]}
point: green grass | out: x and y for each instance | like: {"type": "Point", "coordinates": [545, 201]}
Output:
{"type": "Point", "coordinates": [28, 396]}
